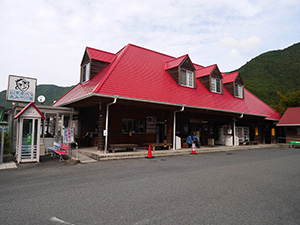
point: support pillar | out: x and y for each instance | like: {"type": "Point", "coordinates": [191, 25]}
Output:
{"type": "Point", "coordinates": [170, 127]}
{"type": "Point", "coordinates": [101, 128]}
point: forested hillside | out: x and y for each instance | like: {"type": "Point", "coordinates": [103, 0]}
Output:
{"type": "Point", "coordinates": [273, 72]}
{"type": "Point", "coordinates": [51, 92]}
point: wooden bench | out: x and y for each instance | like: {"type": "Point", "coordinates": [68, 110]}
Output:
{"type": "Point", "coordinates": [294, 144]}
{"type": "Point", "coordinates": [59, 149]}
{"type": "Point", "coordinates": [114, 147]}
{"type": "Point", "coordinates": [169, 145]}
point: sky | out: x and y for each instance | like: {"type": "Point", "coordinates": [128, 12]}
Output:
{"type": "Point", "coordinates": [46, 39]}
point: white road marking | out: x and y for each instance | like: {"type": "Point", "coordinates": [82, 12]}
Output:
{"type": "Point", "coordinates": [55, 219]}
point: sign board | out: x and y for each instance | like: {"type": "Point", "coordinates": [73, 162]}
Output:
{"type": "Point", "coordinates": [68, 135]}
{"type": "Point", "coordinates": [151, 124]}
{"type": "Point", "coordinates": [21, 89]}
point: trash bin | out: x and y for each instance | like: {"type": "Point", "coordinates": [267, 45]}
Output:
{"type": "Point", "coordinates": [228, 141]}
{"type": "Point", "coordinates": [178, 143]}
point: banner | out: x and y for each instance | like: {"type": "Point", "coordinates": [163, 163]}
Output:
{"type": "Point", "coordinates": [68, 136]}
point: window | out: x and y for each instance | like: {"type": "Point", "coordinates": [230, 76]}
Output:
{"type": "Point", "coordinates": [187, 78]}
{"type": "Point", "coordinates": [238, 91]}
{"type": "Point", "coordinates": [86, 72]}
{"type": "Point", "coordinates": [215, 85]}
{"type": "Point", "coordinates": [137, 126]}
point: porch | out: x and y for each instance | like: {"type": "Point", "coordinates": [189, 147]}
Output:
{"type": "Point", "coordinates": [93, 153]}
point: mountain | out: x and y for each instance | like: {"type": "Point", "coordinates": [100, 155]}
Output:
{"type": "Point", "coordinates": [273, 72]}
{"type": "Point", "coordinates": [51, 92]}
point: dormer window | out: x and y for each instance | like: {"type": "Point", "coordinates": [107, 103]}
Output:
{"type": "Point", "coordinates": [85, 72]}
{"type": "Point", "coordinates": [186, 78]}
{"type": "Point", "coordinates": [239, 91]}
{"type": "Point", "coordinates": [216, 85]}
{"type": "Point", "coordinates": [182, 71]}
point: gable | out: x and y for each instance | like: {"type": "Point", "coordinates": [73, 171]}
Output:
{"type": "Point", "coordinates": [177, 70]}
{"type": "Point", "coordinates": [30, 111]}
{"type": "Point", "coordinates": [97, 61]}
{"type": "Point", "coordinates": [208, 75]}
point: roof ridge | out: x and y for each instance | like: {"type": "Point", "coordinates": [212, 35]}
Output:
{"type": "Point", "coordinates": [150, 50]}
{"type": "Point", "coordinates": [95, 49]}
{"type": "Point", "coordinates": [113, 66]}
{"type": "Point", "coordinates": [183, 56]}
{"type": "Point", "coordinates": [205, 67]}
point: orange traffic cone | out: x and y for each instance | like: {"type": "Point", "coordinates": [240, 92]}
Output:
{"type": "Point", "coordinates": [149, 152]}
{"type": "Point", "coordinates": [193, 149]}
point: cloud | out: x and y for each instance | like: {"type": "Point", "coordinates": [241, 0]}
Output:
{"type": "Point", "coordinates": [245, 45]}
{"type": "Point", "coordinates": [46, 38]}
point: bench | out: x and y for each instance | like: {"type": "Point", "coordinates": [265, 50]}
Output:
{"type": "Point", "coordinates": [158, 145]}
{"type": "Point", "coordinates": [248, 143]}
{"type": "Point", "coordinates": [114, 147]}
{"type": "Point", "coordinates": [59, 149]}
{"type": "Point", "coordinates": [294, 144]}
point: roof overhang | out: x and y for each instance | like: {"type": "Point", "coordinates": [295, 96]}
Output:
{"type": "Point", "coordinates": [84, 97]}
{"type": "Point", "coordinates": [288, 125]}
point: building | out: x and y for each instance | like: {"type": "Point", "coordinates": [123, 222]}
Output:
{"type": "Point", "coordinates": [290, 121]}
{"type": "Point", "coordinates": [141, 96]}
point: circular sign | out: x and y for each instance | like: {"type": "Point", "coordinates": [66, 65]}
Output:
{"type": "Point", "coordinates": [41, 98]}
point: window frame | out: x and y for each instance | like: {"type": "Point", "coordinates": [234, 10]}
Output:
{"type": "Point", "coordinates": [85, 71]}
{"type": "Point", "coordinates": [189, 78]}
{"type": "Point", "coordinates": [239, 91]}
{"type": "Point", "coordinates": [134, 125]}
{"type": "Point", "coordinates": [214, 86]}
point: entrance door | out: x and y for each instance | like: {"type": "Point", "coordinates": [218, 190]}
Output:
{"type": "Point", "coordinates": [160, 132]}
{"type": "Point", "coordinates": [29, 145]}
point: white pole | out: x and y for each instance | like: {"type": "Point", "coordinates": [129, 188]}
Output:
{"type": "Point", "coordinates": [2, 145]}
{"type": "Point", "coordinates": [234, 142]}
{"type": "Point", "coordinates": [106, 124]}
{"type": "Point", "coordinates": [174, 126]}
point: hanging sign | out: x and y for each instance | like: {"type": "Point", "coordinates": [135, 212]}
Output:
{"type": "Point", "coordinates": [68, 135]}
{"type": "Point", "coordinates": [21, 89]}
{"type": "Point", "coordinates": [151, 124]}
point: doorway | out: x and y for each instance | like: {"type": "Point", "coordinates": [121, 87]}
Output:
{"type": "Point", "coordinates": [161, 132]}
{"type": "Point", "coordinates": [28, 147]}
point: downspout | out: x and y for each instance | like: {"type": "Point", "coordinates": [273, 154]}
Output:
{"type": "Point", "coordinates": [106, 123]}
{"type": "Point", "coordinates": [234, 144]}
{"type": "Point", "coordinates": [174, 126]}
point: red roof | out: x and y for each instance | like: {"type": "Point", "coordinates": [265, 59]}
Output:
{"type": "Point", "coordinates": [175, 62]}
{"type": "Point", "coordinates": [100, 55]}
{"type": "Point", "coordinates": [291, 117]}
{"type": "Point", "coordinates": [27, 107]}
{"type": "Point", "coordinates": [139, 74]}
{"type": "Point", "coordinates": [205, 71]}
{"type": "Point", "coordinates": [229, 78]}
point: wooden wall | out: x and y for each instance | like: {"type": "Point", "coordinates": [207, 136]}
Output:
{"type": "Point", "coordinates": [291, 134]}
{"type": "Point", "coordinates": [174, 73]}
{"type": "Point", "coordinates": [205, 81]}
{"type": "Point", "coordinates": [96, 67]}
{"type": "Point", "coordinates": [230, 88]}
{"type": "Point", "coordinates": [117, 112]}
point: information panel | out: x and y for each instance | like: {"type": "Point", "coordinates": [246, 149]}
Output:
{"type": "Point", "coordinates": [21, 89]}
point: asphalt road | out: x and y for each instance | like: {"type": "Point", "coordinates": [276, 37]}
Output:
{"type": "Point", "coordinates": [237, 187]}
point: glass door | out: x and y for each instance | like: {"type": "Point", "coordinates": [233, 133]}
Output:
{"type": "Point", "coordinates": [29, 146]}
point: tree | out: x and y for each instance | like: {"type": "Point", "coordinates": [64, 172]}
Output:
{"type": "Point", "coordinates": [290, 99]}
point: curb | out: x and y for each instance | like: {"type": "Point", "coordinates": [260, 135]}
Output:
{"type": "Point", "coordinates": [162, 153]}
